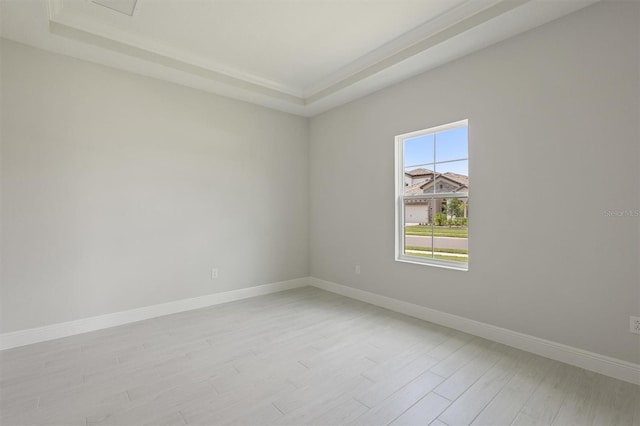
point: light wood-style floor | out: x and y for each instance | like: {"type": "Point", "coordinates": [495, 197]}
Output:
{"type": "Point", "coordinates": [298, 357]}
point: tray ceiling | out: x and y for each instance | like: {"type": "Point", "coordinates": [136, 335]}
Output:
{"type": "Point", "coordinates": [299, 56]}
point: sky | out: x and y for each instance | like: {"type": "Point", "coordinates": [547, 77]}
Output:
{"type": "Point", "coordinates": [450, 145]}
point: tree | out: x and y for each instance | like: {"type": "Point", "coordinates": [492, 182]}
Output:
{"type": "Point", "coordinates": [455, 207]}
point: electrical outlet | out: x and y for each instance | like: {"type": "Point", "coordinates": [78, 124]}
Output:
{"type": "Point", "coordinates": [357, 269]}
{"type": "Point", "coordinates": [214, 273]}
{"type": "Point", "coordinates": [634, 325]}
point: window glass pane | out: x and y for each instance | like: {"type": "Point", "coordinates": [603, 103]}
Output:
{"type": "Point", "coordinates": [435, 226]}
{"type": "Point", "coordinates": [417, 228]}
{"type": "Point", "coordinates": [419, 181]}
{"type": "Point", "coordinates": [451, 177]}
{"type": "Point", "coordinates": [452, 144]}
{"type": "Point", "coordinates": [418, 163]}
{"type": "Point", "coordinates": [451, 230]}
{"type": "Point", "coordinates": [418, 151]}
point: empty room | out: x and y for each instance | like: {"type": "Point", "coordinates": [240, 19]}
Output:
{"type": "Point", "coordinates": [320, 212]}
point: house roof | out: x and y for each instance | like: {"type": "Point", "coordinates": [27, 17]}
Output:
{"type": "Point", "coordinates": [461, 179]}
{"type": "Point", "coordinates": [419, 172]}
{"type": "Point", "coordinates": [455, 177]}
{"type": "Point", "coordinates": [414, 189]}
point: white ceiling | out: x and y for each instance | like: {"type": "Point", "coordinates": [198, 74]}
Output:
{"type": "Point", "coordinates": [300, 56]}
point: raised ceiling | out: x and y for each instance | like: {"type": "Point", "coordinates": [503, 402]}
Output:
{"type": "Point", "coordinates": [299, 56]}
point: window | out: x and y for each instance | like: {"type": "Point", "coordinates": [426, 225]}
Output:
{"type": "Point", "coordinates": [432, 196]}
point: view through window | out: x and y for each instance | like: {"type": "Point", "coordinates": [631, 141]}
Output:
{"type": "Point", "coordinates": [433, 196]}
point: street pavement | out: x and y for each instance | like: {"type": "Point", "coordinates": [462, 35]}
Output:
{"type": "Point", "coordinates": [440, 242]}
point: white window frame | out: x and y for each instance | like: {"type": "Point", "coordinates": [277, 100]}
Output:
{"type": "Point", "coordinates": [400, 198]}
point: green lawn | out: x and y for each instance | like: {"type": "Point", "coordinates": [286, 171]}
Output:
{"type": "Point", "coordinates": [439, 256]}
{"type": "Point", "coordinates": [438, 231]}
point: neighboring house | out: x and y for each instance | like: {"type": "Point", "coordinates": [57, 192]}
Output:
{"type": "Point", "coordinates": [422, 181]}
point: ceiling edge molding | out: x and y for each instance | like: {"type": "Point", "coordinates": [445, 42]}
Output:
{"type": "Point", "coordinates": [409, 38]}
{"type": "Point", "coordinates": [71, 26]}
{"type": "Point", "coordinates": [127, 49]}
{"type": "Point", "coordinates": [118, 7]}
{"type": "Point", "coordinates": [419, 47]}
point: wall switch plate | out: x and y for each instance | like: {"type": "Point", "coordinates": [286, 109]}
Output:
{"type": "Point", "coordinates": [214, 273]}
{"type": "Point", "coordinates": [634, 325]}
{"type": "Point", "coordinates": [357, 269]}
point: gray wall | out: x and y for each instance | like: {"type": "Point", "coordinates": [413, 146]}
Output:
{"type": "Point", "coordinates": [120, 191]}
{"type": "Point", "coordinates": [554, 142]}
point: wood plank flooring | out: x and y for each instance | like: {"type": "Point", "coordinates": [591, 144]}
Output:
{"type": "Point", "coordinates": [300, 357]}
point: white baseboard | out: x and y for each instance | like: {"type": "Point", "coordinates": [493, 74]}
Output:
{"type": "Point", "coordinates": [602, 364]}
{"type": "Point", "coordinates": [56, 331]}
